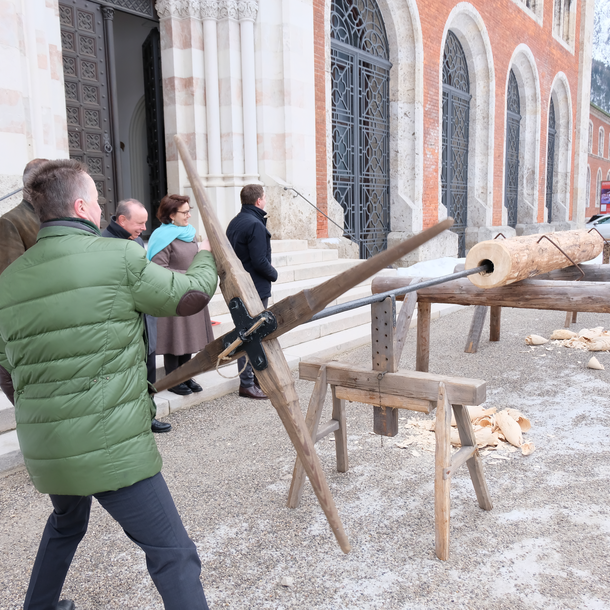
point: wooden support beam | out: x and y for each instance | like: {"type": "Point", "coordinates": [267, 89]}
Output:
{"type": "Point", "coordinates": [332, 425]}
{"type": "Point", "coordinates": [403, 322]}
{"type": "Point", "coordinates": [476, 328]}
{"type": "Point", "coordinates": [341, 433]}
{"type": "Point", "coordinates": [593, 273]}
{"type": "Point", "coordinates": [312, 421]}
{"type": "Point", "coordinates": [475, 464]}
{"type": "Point", "coordinates": [457, 459]}
{"type": "Point", "coordinates": [526, 294]}
{"type": "Point", "coordinates": [409, 384]}
{"type": "Point", "coordinates": [371, 397]}
{"type": "Point", "coordinates": [442, 485]}
{"type": "Point", "coordinates": [422, 357]}
{"type": "Point", "coordinates": [495, 318]}
{"type": "Point", "coordinates": [383, 316]}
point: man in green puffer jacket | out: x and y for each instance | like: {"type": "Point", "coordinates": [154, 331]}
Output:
{"type": "Point", "coordinates": [71, 340]}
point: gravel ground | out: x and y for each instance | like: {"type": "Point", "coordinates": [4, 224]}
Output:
{"type": "Point", "coordinates": [228, 463]}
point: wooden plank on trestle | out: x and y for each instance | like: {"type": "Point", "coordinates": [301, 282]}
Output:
{"type": "Point", "coordinates": [442, 486]}
{"type": "Point", "coordinates": [422, 357]}
{"type": "Point", "coordinates": [495, 319]}
{"type": "Point", "coordinates": [371, 397]}
{"type": "Point", "coordinates": [409, 384]}
{"type": "Point", "coordinates": [312, 421]}
{"type": "Point", "coordinates": [475, 464]}
{"type": "Point", "coordinates": [476, 329]}
{"type": "Point", "coordinates": [403, 322]}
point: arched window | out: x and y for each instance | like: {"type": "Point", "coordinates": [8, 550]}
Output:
{"type": "Point", "coordinates": [590, 137]}
{"type": "Point", "coordinates": [456, 114]}
{"type": "Point", "coordinates": [360, 75]}
{"type": "Point", "coordinates": [600, 142]}
{"type": "Point", "coordinates": [511, 170]}
{"type": "Point", "coordinates": [588, 188]}
{"type": "Point", "coordinates": [550, 161]}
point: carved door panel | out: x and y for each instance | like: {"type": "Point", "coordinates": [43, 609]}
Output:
{"type": "Point", "coordinates": [87, 95]}
{"type": "Point", "coordinates": [155, 130]}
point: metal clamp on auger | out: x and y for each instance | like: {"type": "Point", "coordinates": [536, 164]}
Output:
{"type": "Point", "coordinates": [248, 332]}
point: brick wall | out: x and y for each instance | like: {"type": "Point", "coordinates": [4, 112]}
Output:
{"type": "Point", "coordinates": [598, 160]}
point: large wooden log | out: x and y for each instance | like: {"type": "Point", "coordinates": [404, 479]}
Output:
{"type": "Point", "coordinates": [519, 258]}
{"type": "Point", "coordinates": [591, 297]}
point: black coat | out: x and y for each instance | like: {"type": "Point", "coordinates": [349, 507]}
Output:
{"type": "Point", "coordinates": [251, 240]}
{"type": "Point", "coordinates": [114, 229]}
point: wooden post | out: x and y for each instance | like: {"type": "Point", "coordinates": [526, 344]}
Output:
{"type": "Point", "coordinates": [385, 420]}
{"type": "Point", "coordinates": [476, 328]}
{"type": "Point", "coordinates": [312, 420]}
{"type": "Point", "coordinates": [422, 359]}
{"type": "Point", "coordinates": [403, 322]}
{"type": "Point", "coordinates": [341, 433]}
{"type": "Point", "coordinates": [495, 317]}
{"type": "Point", "coordinates": [442, 485]}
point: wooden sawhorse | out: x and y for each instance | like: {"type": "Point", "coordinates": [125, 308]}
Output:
{"type": "Point", "coordinates": [389, 391]}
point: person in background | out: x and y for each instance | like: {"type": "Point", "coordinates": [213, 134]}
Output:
{"type": "Point", "coordinates": [129, 222]}
{"type": "Point", "coordinates": [251, 240]}
{"type": "Point", "coordinates": [72, 340]}
{"type": "Point", "coordinates": [19, 226]}
{"type": "Point", "coordinates": [173, 246]}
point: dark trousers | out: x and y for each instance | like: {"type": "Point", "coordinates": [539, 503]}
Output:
{"type": "Point", "coordinates": [172, 362]}
{"type": "Point", "coordinates": [148, 516]}
{"type": "Point", "coordinates": [246, 378]}
{"type": "Point", "coordinates": [151, 368]}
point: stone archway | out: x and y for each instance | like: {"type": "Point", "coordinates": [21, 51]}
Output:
{"type": "Point", "coordinates": [468, 26]}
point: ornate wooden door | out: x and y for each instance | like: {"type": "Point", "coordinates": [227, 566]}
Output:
{"type": "Point", "coordinates": [87, 95]}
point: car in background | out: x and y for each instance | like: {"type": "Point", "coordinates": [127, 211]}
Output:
{"type": "Point", "coordinates": [601, 222]}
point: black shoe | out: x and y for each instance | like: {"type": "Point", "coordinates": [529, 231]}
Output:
{"type": "Point", "coordinates": [193, 385]}
{"type": "Point", "coordinates": [65, 604]}
{"type": "Point", "coordinates": [252, 392]}
{"type": "Point", "coordinates": [160, 426]}
{"type": "Point", "coordinates": [181, 389]}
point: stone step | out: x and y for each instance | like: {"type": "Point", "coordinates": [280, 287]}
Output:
{"type": "Point", "coordinates": [288, 245]}
{"type": "Point", "coordinates": [303, 257]}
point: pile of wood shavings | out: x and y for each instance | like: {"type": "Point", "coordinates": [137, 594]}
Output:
{"type": "Point", "coordinates": [491, 429]}
{"type": "Point", "coordinates": [587, 339]}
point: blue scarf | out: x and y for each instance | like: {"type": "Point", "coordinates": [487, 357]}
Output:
{"type": "Point", "coordinates": [165, 235]}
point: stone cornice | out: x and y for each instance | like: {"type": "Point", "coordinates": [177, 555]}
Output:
{"type": "Point", "coordinates": [239, 10]}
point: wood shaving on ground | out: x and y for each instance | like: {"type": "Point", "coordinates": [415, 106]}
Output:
{"type": "Point", "coordinates": [492, 429]}
{"type": "Point", "coordinates": [587, 339]}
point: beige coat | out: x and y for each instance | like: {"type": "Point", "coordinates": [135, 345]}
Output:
{"type": "Point", "coordinates": [181, 335]}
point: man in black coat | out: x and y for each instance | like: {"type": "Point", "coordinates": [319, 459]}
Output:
{"type": "Point", "coordinates": [251, 241]}
{"type": "Point", "coordinates": [129, 222]}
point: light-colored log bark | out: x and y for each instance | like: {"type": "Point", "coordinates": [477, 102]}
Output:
{"type": "Point", "coordinates": [527, 294]}
{"type": "Point", "coordinates": [521, 257]}
{"type": "Point", "coordinates": [409, 384]}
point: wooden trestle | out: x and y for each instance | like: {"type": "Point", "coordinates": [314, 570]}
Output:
{"type": "Point", "coordinates": [388, 389]}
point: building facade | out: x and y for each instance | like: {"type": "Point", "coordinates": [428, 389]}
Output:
{"type": "Point", "coordinates": [598, 168]}
{"type": "Point", "coordinates": [388, 116]}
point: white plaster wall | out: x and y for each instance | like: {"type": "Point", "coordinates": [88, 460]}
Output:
{"type": "Point", "coordinates": [32, 106]}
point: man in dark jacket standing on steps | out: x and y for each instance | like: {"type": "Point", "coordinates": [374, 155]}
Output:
{"type": "Point", "coordinates": [72, 340]}
{"type": "Point", "coordinates": [129, 222]}
{"type": "Point", "coordinates": [251, 240]}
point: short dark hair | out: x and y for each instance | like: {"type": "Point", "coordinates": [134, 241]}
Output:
{"type": "Point", "coordinates": [55, 186]}
{"type": "Point", "coordinates": [124, 206]}
{"type": "Point", "coordinates": [169, 205]}
{"type": "Point", "coordinates": [251, 193]}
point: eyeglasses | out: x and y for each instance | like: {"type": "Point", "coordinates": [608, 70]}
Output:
{"type": "Point", "coordinates": [187, 211]}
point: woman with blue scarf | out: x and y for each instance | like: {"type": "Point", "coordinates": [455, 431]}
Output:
{"type": "Point", "coordinates": [173, 246]}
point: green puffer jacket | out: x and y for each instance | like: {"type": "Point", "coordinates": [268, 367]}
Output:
{"type": "Point", "coordinates": [71, 336]}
